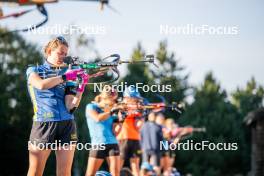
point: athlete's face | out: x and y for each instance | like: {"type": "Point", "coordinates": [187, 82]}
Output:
{"type": "Point", "coordinates": [151, 116]}
{"type": "Point", "coordinates": [57, 54]}
{"type": "Point", "coordinates": [109, 101]}
{"type": "Point", "coordinates": [160, 119]}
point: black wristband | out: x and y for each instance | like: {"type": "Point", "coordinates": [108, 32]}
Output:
{"type": "Point", "coordinates": [72, 110]}
{"type": "Point", "coordinates": [115, 121]}
{"type": "Point", "coordinates": [70, 90]}
{"type": "Point", "coordinates": [64, 78]}
{"type": "Point", "coordinates": [114, 111]}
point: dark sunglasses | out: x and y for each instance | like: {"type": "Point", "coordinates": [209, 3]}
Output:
{"type": "Point", "coordinates": [62, 40]}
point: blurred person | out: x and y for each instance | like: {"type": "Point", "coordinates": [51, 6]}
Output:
{"type": "Point", "coordinates": [171, 172]}
{"type": "Point", "coordinates": [160, 120]}
{"type": "Point", "coordinates": [173, 134]}
{"type": "Point", "coordinates": [147, 170]}
{"type": "Point", "coordinates": [126, 172]}
{"type": "Point", "coordinates": [100, 120]}
{"type": "Point", "coordinates": [129, 136]}
{"type": "Point", "coordinates": [102, 173]}
{"type": "Point", "coordinates": [151, 136]}
{"type": "Point", "coordinates": [168, 155]}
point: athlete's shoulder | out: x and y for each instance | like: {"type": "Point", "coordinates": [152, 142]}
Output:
{"type": "Point", "coordinates": [92, 106]}
{"type": "Point", "coordinates": [31, 69]}
{"type": "Point", "coordinates": [35, 69]}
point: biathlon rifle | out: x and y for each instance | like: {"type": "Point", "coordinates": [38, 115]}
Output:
{"type": "Point", "coordinates": [99, 68]}
{"type": "Point", "coordinates": [185, 132]}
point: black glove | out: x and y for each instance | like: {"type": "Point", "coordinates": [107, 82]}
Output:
{"type": "Point", "coordinates": [114, 111]}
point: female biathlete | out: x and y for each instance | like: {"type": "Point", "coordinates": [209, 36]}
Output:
{"type": "Point", "coordinates": [129, 136]}
{"type": "Point", "coordinates": [168, 155]}
{"type": "Point", "coordinates": [101, 123]}
{"type": "Point", "coordinates": [52, 122]}
{"type": "Point", "coordinates": [173, 134]}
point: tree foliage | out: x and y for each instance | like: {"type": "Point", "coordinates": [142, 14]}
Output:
{"type": "Point", "coordinates": [16, 109]}
{"type": "Point", "coordinates": [212, 109]}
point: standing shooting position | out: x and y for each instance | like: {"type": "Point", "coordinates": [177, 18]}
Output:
{"type": "Point", "coordinates": [52, 121]}
{"type": "Point", "coordinates": [129, 136]}
{"type": "Point", "coordinates": [101, 118]}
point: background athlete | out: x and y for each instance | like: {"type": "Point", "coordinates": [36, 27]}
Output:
{"type": "Point", "coordinates": [101, 123]}
{"type": "Point", "coordinates": [129, 136]}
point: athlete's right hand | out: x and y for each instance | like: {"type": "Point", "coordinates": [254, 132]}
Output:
{"type": "Point", "coordinates": [71, 75]}
{"type": "Point", "coordinates": [117, 107]}
{"type": "Point", "coordinates": [114, 110]}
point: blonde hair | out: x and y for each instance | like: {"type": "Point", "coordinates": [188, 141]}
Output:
{"type": "Point", "coordinates": [108, 92]}
{"type": "Point", "coordinates": [53, 44]}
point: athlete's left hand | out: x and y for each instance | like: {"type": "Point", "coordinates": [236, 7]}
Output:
{"type": "Point", "coordinates": [85, 79]}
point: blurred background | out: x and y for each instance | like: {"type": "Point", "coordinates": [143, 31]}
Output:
{"type": "Point", "coordinates": [219, 76]}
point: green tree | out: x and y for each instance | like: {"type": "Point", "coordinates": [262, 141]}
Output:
{"type": "Point", "coordinates": [212, 110]}
{"type": "Point", "coordinates": [248, 99]}
{"type": "Point", "coordinates": [16, 109]}
{"type": "Point", "coordinates": [170, 73]}
{"type": "Point", "coordinates": [137, 72]}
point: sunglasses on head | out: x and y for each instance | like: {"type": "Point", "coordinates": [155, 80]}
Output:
{"type": "Point", "coordinates": [62, 40]}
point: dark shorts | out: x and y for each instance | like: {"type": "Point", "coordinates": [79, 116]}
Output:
{"type": "Point", "coordinates": [152, 156]}
{"type": "Point", "coordinates": [104, 152]}
{"type": "Point", "coordinates": [129, 149]}
{"type": "Point", "coordinates": [51, 133]}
